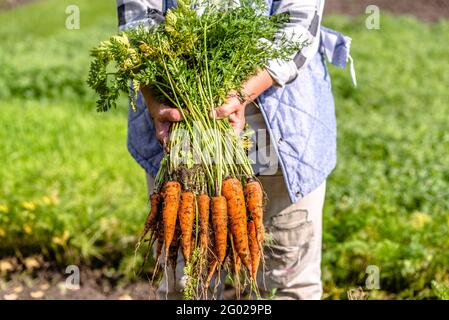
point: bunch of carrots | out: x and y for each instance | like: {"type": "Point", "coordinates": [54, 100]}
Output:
{"type": "Point", "coordinates": [225, 231]}
{"type": "Point", "coordinates": [207, 204]}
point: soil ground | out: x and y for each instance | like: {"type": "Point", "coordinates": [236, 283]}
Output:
{"type": "Point", "coordinates": [429, 10]}
{"type": "Point", "coordinates": [32, 278]}
{"type": "Point", "coordinates": [50, 283]}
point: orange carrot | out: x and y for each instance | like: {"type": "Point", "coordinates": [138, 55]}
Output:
{"type": "Point", "coordinates": [152, 214]}
{"type": "Point", "coordinates": [220, 226]}
{"type": "Point", "coordinates": [203, 205]}
{"type": "Point", "coordinates": [235, 262]}
{"type": "Point", "coordinates": [235, 259]}
{"type": "Point", "coordinates": [174, 247]}
{"type": "Point", "coordinates": [253, 248]}
{"type": "Point", "coordinates": [171, 195]}
{"type": "Point", "coordinates": [173, 252]}
{"type": "Point", "coordinates": [186, 216]}
{"type": "Point", "coordinates": [254, 200]}
{"type": "Point", "coordinates": [159, 233]}
{"type": "Point", "coordinates": [233, 191]}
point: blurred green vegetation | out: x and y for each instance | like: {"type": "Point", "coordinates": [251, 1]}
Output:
{"type": "Point", "coordinates": [41, 58]}
{"type": "Point", "coordinates": [69, 189]}
{"type": "Point", "coordinates": [387, 202]}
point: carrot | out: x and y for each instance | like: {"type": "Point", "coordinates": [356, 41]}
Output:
{"type": "Point", "coordinates": [233, 191]}
{"type": "Point", "coordinates": [253, 248]}
{"type": "Point", "coordinates": [212, 266]}
{"type": "Point", "coordinates": [204, 207]}
{"type": "Point", "coordinates": [254, 200]}
{"type": "Point", "coordinates": [174, 247]}
{"type": "Point", "coordinates": [152, 214]}
{"type": "Point", "coordinates": [171, 195]}
{"type": "Point", "coordinates": [235, 263]}
{"type": "Point", "coordinates": [159, 235]}
{"type": "Point", "coordinates": [220, 226]}
{"type": "Point", "coordinates": [173, 253]}
{"type": "Point", "coordinates": [235, 259]}
{"type": "Point", "coordinates": [186, 217]}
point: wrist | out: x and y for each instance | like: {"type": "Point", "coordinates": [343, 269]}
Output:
{"type": "Point", "coordinates": [240, 96]}
{"type": "Point", "coordinates": [255, 86]}
{"type": "Point", "coordinates": [245, 98]}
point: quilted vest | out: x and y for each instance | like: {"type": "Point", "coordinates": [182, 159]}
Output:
{"type": "Point", "coordinates": [300, 119]}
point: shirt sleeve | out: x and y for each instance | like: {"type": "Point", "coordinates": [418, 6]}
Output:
{"type": "Point", "coordinates": [304, 25]}
{"type": "Point", "coordinates": [133, 13]}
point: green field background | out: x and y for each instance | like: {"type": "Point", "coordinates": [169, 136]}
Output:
{"type": "Point", "coordinates": [70, 191]}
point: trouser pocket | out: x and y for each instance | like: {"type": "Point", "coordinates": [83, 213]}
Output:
{"type": "Point", "coordinates": [291, 233]}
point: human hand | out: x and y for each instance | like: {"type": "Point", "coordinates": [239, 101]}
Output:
{"type": "Point", "coordinates": [162, 115]}
{"type": "Point", "coordinates": [234, 110]}
{"type": "Point", "coordinates": [234, 107]}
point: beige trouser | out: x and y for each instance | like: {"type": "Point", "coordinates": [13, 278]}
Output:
{"type": "Point", "coordinates": [293, 260]}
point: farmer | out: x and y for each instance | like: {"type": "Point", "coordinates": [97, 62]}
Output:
{"type": "Point", "coordinates": [296, 111]}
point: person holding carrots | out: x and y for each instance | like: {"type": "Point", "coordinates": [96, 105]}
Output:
{"type": "Point", "coordinates": [297, 113]}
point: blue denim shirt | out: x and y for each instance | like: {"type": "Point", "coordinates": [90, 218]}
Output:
{"type": "Point", "coordinates": [300, 119]}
